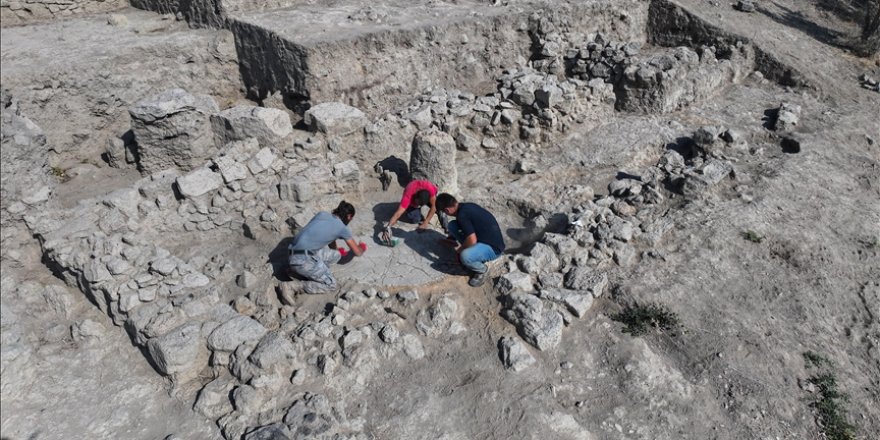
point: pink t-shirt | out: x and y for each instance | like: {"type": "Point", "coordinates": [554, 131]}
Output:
{"type": "Point", "coordinates": [412, 188]}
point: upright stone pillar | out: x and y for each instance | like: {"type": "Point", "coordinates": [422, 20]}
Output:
{"type": "Point", "coordinates": [433, 158]}
{"type": "Point", "coordinates": [173, 129]}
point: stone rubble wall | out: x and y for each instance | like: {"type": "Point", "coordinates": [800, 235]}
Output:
{"type": "Point", "coordinates": [564, 273]}
{"type": "Point", "coordinates": [670, 81]}
{"type": "Point", "coordinates": [19, 12]}
{"type": "Point", "coordinates": [463, 54]}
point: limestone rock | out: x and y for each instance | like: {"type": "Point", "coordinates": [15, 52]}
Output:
{"type": "Point", "coordinates": [514, 354]}
{"type": "Point", "coordinates": [437, 318]}
{"type": "Point", "coordinates": [213, 400]}
{"type": "Point", "coordinates": [268, 125]}
{"type": "Point", "coordinates": [514, 281]}
{"type": "Point", "coordinates": [24, 158]}
{"type": "Point", "coordinates": [173, 129]}
{"type": "Point", "coordinates": [275, 431]}
{"type": "Point", "coordinates": [542, 259]}
{"type": "Point", "coordinates": [273, 349]}
{"type": "Point", "coordinates": [539, 327]}
{"type": "Point", "coordinates": [575, 301]}
{"type": "Point", "coordinates": [312, 415]}
{"type": "Point", "coordinates": [585, 279]}
{"type": "Point", "coordinates": [198, 182]}
{"type": "Point", "coordinates": [335, 119]}
{"type": "Point", "coordinates": [433, 159]}
{"type": "Point", "coordinates": [787, 117]}
{"type": "Point", "coordinates": [230, 169]}
{"type": "Point", "coordinates": [229, 335]}
{"type": "Point", "coordinates": [180, 350]}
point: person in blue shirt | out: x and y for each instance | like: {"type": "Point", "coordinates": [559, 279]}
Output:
{"type": "Point", "coordinates": [477, 234]}
{"type": "Point", "coordinates": [314, 249]}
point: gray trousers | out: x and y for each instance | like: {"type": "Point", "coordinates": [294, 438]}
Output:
{"type": "Point", "coordinates": [314, 269]}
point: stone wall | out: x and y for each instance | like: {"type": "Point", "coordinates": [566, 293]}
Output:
{"type": "Point", "coordinates": [17, 12]}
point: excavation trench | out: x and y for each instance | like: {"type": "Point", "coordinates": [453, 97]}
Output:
{"type": "Point", "coordinates": [543, 110]}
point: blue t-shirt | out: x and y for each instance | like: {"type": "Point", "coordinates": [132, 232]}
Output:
{"type": "Point", "coordinates": [473, 219]}
{"type": "Point", "coordinates": [322, 229]}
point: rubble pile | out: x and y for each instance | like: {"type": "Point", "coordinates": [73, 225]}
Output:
{"type": "Point", "coordinates": [558, 281]}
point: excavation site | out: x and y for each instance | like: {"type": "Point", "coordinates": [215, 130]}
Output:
{"type": "Point", "coordinates": [553, 219]}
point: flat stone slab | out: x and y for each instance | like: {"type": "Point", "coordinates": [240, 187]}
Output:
{"type": "Point", "coordinates": [419, 258]}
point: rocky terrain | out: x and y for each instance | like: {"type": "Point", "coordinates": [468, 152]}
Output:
{"type": "Point", "coordinates": [689, 192]}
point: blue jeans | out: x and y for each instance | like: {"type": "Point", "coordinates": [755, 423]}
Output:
{"type": "Point", "coordinates": [474, 257]}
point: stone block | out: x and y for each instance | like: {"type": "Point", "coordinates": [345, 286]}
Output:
{"type": "Point", "coordinates": [514, 354]}
{"type": "Point", "coordinates": [433, 158]}
{"type": "Point", "coordinates": [181, 350]}
{"type": "Point", "coordinates": [268, 125]}
{"type": "Point", "coordinates": [173, 129]}
{"type": "Point", "coordinates": [199, 182]}
{"type": "Point", "coordinates": [335, 119]}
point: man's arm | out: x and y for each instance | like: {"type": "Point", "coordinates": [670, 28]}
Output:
{"type": "Point", "coordinates": [430, 215]}
{"type": "Point", "coordinates": [357, 248]}
{"type": "Point", "coordinates": [396, 216]}
{"type": "Point", "coordinates": [469, 241]}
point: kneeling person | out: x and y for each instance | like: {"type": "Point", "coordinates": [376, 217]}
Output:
{"type": "Point", "coordinates": [477, 233]}
{"type": "Point", "coordinates": [314, 249]}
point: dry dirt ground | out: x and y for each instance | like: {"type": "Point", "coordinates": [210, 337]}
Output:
{"type": "Point", "coordinates": [779, 260]}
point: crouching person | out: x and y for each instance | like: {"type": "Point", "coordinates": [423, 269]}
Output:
{"type": "Point", "coordinates": [314, 249]}
{"type": "Point", "coordinates": [477, 233]}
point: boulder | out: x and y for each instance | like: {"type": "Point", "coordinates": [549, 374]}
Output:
{"type": "Point", "coordinates": [335, 119]}
{"type": "Point", "coordinates": [542, 259]}
{"type": "Point", "coordinates": [275, 431]}
{"type": "Point", "coordinates": [273, 349]}
{"type": "Point", "coordinates": [213, 401]}
{"type": "Point", "coordinates": [312, 416]}
{"type": "Point", "coordinates": [514, 354]}
{"type": "Point", "coordinates": [180, 350]}
{"type": "Point", "coordinates": [268, 125]}
{"type": "Point", "coordinates": [229, 335]}
{"type": "Point", "coordinates": [437, 318]}
{"type": "Point", "coordinates": [433, 159]}
{"type": "Point", "coordinates": [585, 279]}
{"type": "Point", "coordinates": [514, 281]}
{"type": "Point", "coordinates": [787, 117]}
{"type": "Point", "coordinates": [230, 169]}
{"type": "Point", "coordinates": [537, 326]}
{"type": "Point", "coordinates": [173, 129]}
{"type": "Point", "coordinates": [198, 182]}
{"type": "Point", "coordinates": [24, 157]}
{"type": "Point", "coordinates": [575, 301]}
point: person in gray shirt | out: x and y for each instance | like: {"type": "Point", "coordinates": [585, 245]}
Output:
{"type": "Point", "coordinates": [314, 249]}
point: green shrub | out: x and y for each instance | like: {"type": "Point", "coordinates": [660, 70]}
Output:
{"type": "Point", "coordinates": [638, 319]}
{"type": "Point", "coordinates": [752, 236]}
{"type": "Point", "coordinates": [829, 400]}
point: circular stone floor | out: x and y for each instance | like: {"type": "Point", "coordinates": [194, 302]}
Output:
{"type": "Point", "coordinates": [419, 257]}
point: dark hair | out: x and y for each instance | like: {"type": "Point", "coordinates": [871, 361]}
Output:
{"type": "Point", "coordinates": [423, 197]}
{"type": "Point", "coordinates": [345, 211]}
{"type": "Point", "coordinates": [445, 200]}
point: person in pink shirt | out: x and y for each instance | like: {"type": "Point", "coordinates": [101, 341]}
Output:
{"type": "Point", "coordinates": [416, 194]}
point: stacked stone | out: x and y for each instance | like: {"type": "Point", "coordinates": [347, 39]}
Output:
{"type": "Point", "coordinates": [601, 58]}
{"type": "Point", "coordinates": [528, 102]}
{"type": "Point", "coordinates": [254, 347]}
{"type": "Point", "coordinates": [17, 12]}
{"type": "Point", "coordinates": [673, 79]}
{"type": "Point", "coordinates": [313, 345]}
{"type": "Point", "coordinates": [564, 273]}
